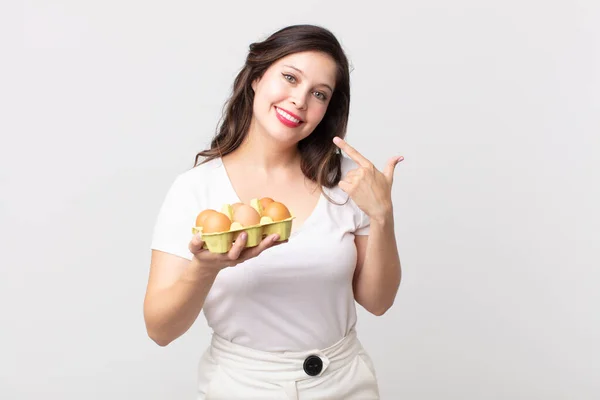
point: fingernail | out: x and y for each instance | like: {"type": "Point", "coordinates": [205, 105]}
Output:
{"type": "Point", "coordinates": [243, 235]}
{"type": "Point", "coordinates": [274, 238]}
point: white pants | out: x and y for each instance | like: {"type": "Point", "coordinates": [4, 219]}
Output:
{"type": "Point", "coordinates": [228, 371]}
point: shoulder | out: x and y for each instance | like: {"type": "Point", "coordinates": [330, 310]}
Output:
{"type": "Point", "coordinates": [194, 185]}
{"type": "Point", "coordinates": [336, 193]}
{"type": "Point", "coordinates": [203, 170]}
{"type": "Point", "coordinates": [349, 206]}
{"type": "Point", "coordinates": [198, 176]}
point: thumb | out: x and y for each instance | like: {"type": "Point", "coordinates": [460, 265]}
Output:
{"type": "Point", "coordinates": [196, 244]}
{"type": "Point", "coordinates": [390, 167]}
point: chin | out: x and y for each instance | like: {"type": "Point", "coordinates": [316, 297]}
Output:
{"type": "Point", "coordinates": [285, 137]}
{"type": "Point", "coordinates": [282, 134]}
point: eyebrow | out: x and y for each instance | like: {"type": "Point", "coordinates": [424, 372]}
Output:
{"type": "Point", "coordinates": [302, 73]}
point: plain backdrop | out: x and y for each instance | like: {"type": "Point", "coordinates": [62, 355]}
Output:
{"type": "Point", "coordinates": [495, 106]}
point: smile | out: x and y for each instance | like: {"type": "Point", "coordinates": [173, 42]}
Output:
{"type": "Point", "coordinates": [287, 119]}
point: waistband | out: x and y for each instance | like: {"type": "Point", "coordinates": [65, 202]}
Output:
{"type": "Point", "coordinates": [288, 365]}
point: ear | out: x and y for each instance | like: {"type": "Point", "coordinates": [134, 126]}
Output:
{"type": "Point", "coordinates": [254, 83]}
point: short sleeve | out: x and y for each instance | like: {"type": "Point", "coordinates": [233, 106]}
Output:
{"type": "Point", "coordinates": [364, 223]}
{"type": "Point", "coordinates": [173, 226]}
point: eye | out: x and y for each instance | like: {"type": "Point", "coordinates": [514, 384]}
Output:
{"type": "Point", "coordinates": [289, 78]}
{"type": "Point", "coordinates": [320, 96]}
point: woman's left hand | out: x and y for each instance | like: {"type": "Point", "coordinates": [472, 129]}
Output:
{"type": "Point", "coordinates": [368, 187]}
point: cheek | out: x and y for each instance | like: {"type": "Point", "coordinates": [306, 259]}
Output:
{"type": "Point", "coordinates": [274, 91]}
{"type": "Point", "coordinates": [317, 112]}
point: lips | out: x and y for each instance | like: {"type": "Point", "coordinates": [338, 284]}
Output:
{"type": "Point", "coordinates": [290, 113]}
{"type": "Point", "coordinates": [287, 118]}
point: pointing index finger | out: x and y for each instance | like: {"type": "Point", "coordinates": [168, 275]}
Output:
{"type": "Point", "coordinates": [352, 152]}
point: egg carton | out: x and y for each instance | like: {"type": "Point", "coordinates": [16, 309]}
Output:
{"type": "Point", "coordinates": [221, 242]}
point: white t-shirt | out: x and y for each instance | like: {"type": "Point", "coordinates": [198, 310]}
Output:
{"type": "Point", "coordinates": [292, 297]}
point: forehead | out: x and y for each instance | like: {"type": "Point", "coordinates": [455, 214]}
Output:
{"type": "Point", "coordinates": [316, 66]}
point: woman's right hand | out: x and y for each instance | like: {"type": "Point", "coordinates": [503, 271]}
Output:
{"type": "Point", "coordinates": [236, 255]}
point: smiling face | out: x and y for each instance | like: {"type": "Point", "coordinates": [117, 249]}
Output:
{"type": "Point", "coordinates": [292, 96]}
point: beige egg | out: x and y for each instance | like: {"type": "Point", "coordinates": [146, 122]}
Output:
{"type": "Point", "coordinates": [246, 215]}
{"type": "Point", "coordinates": [235, 206]}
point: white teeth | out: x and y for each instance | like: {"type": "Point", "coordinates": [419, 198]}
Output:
{"type": "Point", "coordinates": [287, 116]}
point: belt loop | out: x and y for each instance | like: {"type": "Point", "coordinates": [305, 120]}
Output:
{"type": "Point", "coordinates": [290, 390]}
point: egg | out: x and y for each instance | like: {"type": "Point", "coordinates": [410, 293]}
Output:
{"type": "Point", "coordinates": [246, 215]}
{"type": "Point", "coordinates": [216, 222]}
{"type": "Point", "coordinates": [203, 215]}
{"type": "Point", "coordinates": [235, 206]}
{"type": "Point", "coordinates": [265, 201]}
{"type": "Point", "coordinates": [276, 211]}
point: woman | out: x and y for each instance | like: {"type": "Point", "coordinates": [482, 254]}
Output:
{"type": "Point", "coordinates": [283, 313]}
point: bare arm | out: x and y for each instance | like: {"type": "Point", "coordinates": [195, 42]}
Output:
{"type": "Point", "coordinates": [177, 287]}
{"type": "Point", "coordinates": [176, 292]}
{"type": "Point", "coordinates": [378, 272]}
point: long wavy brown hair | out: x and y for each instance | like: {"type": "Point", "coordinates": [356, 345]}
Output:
{"type": "Point", "coordinates": [320, 158]}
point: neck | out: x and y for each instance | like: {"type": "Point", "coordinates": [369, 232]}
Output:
{"type": "Point", "coordinates": [261, 152]}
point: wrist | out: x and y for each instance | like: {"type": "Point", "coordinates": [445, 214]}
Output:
{"type": "Point", "coordinates": [199, 271]}
{"type": "Point", "coordinates": [383, 217]}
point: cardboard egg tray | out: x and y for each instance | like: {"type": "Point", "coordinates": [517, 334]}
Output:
{"type": "Point", "coordinates": [221, 242]}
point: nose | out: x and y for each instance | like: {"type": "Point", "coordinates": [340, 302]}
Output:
{"type": "Point", "coordinates": [299, 100]}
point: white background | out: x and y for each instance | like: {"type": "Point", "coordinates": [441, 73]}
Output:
{"type": "Point", "coordinates": [494, 104]}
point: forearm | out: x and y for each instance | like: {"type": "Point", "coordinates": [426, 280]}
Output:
{"type": "Point", "coordinates": [169, 313]}
{"type": "Point", "coordinates": [379, 277]}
